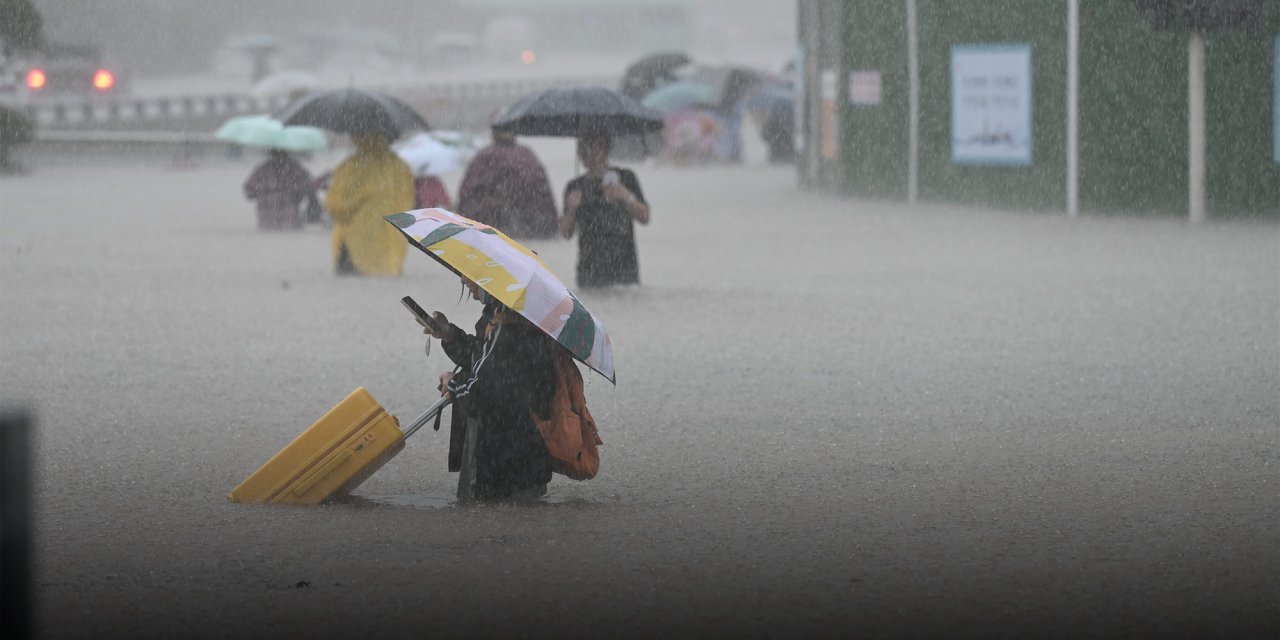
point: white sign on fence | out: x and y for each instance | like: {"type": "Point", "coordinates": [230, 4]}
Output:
{"type": "Point", "coordinates": [864, 87]}
{"type": "Point", "coordinates": [991, 104]}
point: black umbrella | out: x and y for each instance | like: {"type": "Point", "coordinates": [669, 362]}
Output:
{"type": "Point", "coordinates": [643, 75]}
{"type": "Point", "coordinates": [353, 111]}
{"type": "Point", "coordinates": [570, 112]}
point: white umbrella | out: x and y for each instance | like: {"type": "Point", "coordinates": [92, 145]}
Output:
{"type": "Point", "coordinates": [435, 153]}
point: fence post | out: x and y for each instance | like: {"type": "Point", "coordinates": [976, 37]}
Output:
{"type": "Point", "coordinates": [1195, 127]}
{"type": "Point", "coordinates": [1073, 107]}
{"type": "Point", "coordinates": [913, 104]}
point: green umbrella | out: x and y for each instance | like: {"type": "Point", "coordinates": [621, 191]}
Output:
{"type": "Point", "coordinates": [265, 132]}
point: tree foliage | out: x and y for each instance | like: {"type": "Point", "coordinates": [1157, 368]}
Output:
{"type": "Point", "coordinates": [21, 27]}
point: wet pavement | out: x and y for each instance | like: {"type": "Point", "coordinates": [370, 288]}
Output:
{"type": "Point", "coordinates": [833, 418]}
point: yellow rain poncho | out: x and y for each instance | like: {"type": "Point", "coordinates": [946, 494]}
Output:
{"type": "Point", "coordinates": [370, 184]}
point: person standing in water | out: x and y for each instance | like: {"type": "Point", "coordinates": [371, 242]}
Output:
{"type": "Point", "coordinates": [507, 187]}
{"type": "Point", "coordinates": [373, 182]}
{"type": "Point", "coordinates": [603, 206]}
{"type": "Point", "coordinates": [279, 186]}
{"type": "Point", "coordinates": [506, 376]}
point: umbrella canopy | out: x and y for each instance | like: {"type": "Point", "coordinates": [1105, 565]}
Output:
{"type": "Point", "coordinates": [731, 83]}
{"type": "Point", "coordinates": [679, 95]}
{"type": "Point", "coordinates": [646, 73]}
{"type": "Point", "coordinates": [434, 153]}
{"type": "Point", "coordinates": [354, 111]}
{"type": "Point", "coordinates": [265, 132]}
{"type": "Point", "coordinates": [512, 274]}
{"type": "Point", "coordinates": [570, 112]}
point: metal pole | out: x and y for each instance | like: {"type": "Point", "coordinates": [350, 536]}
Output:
{"type": "Point", "coordinates": [1073, 107]}
{"type": "Point", "coordinates": [1196, 146]}
{"type": "Point", "coordinates": [913, 105]}
{"type": "Point", "coordinates": [427, 415]}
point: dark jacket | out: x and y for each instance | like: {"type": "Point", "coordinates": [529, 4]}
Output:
{"type": "Point", "coordinates": [505, 375]}
{"type": "Point", "coordinates": [606, 232]}
{"type": "Point", "coordinates": [507, 187]}
{"type": "Point", "coordinates": [279, 185]}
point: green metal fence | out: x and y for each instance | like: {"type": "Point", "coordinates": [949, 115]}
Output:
{"type": "Point", "coordinates": [1132, 102]}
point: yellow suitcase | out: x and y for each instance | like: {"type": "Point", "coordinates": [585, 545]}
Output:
{"type": "Point", "coordinates": [334, 456]}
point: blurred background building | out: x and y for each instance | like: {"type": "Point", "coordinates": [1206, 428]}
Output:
{"type": "Point", "coordinates": [181, 36]}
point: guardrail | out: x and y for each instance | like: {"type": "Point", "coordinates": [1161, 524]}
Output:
{"type": "Point", "coordinates": [446, 105]}
{"type": "Point", "coordinates": [181, 148]}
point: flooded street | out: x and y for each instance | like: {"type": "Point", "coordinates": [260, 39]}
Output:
{"type": "Point", "coordinates": [830, 415]}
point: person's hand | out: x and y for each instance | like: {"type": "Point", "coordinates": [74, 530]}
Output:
{"type": "Point", "coordinates": [441, 330]}
{"type": "Point", "coordinates": [571, 203]}
{"type": "Point", "coordinates": [444, 382]}
{"type": "Point", "coordinates": [617, 193]}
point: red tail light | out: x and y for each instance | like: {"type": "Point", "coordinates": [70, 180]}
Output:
{"type": "Point", "coordinates": [36, 79]}
{"type": "Point", "coordinates": [103, 80]}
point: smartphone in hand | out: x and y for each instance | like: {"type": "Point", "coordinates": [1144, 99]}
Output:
{"type": "Point", "coordinates": [419, 313]}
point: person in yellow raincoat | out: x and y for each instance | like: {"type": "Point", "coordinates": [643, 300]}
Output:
{"type": "Point", "coordinates": [373, 182]}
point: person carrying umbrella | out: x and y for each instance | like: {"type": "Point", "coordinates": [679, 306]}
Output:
{"type": "Point", "coordinates": [506, 435]}
{"type": "Point", "coordinates": [603, 205]}
{"type": "Point", "coordinates": [280, 185]}
{"type": "Point", "coordinates": [369, 184]}
{"type": "Point", "coordinates": [373, 182]}
{"type": "Point", "coordinates": [506, 375]}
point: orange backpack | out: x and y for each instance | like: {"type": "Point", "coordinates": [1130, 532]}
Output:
{"type": "Point", "coordinates": [570, 433]}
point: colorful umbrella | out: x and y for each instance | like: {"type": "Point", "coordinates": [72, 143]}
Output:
{"type": "Point", "coordinates": [514, 275]}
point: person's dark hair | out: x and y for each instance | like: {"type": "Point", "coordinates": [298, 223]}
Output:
{"type": "Point", "coordinates": [485, 296]}
{"type": "Point", "coordinates": [596, 136]}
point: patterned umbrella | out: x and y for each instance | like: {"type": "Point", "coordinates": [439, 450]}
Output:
{"type": "Point", "coordinates": [514, 275]}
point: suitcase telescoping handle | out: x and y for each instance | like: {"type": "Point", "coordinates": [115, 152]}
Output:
{"type": "Point", "coordinates": [431, 412]}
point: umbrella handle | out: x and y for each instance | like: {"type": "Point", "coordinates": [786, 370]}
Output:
{"type": "Point", "coordinates": [431, 412]}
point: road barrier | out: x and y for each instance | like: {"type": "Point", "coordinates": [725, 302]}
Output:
{"type": "Point", "coordinates": [464, 105]}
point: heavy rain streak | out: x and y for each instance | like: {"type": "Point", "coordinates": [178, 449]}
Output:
{"type": "Point", "coordinates": [645, 318]}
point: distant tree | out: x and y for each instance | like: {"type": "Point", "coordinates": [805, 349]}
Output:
{"type": "Point", "coordinates": [15, 129]}
{"type": "Point", "coordinates": [22, 28]}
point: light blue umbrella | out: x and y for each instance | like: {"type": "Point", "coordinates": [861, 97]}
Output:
{"type": "Point", "coordinates": [678, 95]}
{"type": "Point", "coordinates": [265, 132]}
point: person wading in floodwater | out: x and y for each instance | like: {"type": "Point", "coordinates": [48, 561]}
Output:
{"type": "Point", "coordinates": [603, 206]}
{"type": "Point", "coordinates": [506, 372]}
